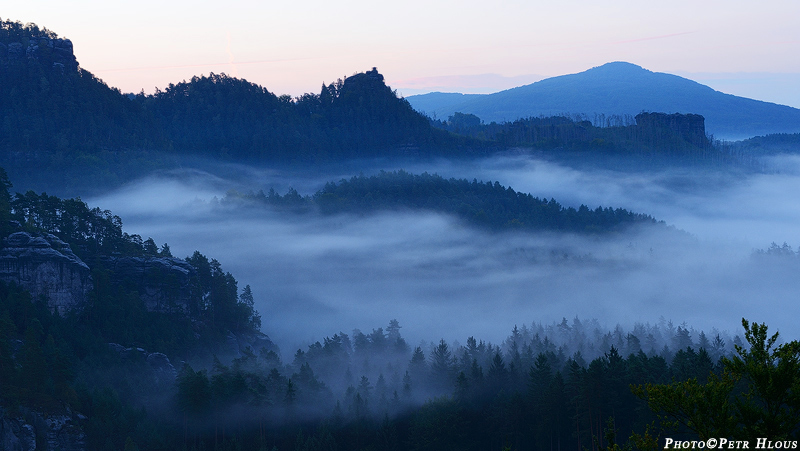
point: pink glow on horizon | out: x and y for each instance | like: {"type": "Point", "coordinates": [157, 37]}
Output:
{"type": "Point", "coordinates": [466, 46]}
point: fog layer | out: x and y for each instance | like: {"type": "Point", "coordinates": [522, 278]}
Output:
{"type": "Point", "coordinates": [313, 276]}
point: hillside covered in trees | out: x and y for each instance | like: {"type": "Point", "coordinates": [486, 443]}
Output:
{"type": "Point", "coordinates": [486, 205]}
{"type": "Point", "coordinates": [358, 117]}
{"type": "Point", "coordinates": [55, 359]}
{"type": "Point", "coordinates": [646, 140]}
{"type": "Point", "coordinates": [59, 121]}
{"type": "Point", "coordinates": [656, 133]}
{"type": "Point", "coordinates": [63, 129]}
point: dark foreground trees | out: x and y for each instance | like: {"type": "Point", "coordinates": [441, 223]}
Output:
{"type": "Point", "coordinates": [509, 397]}
{"type": "Point", "coordinates": [755, 395]}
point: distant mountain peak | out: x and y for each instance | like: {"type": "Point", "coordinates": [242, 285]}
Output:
{"type": "Point", "coordinates": [620, 88]}
{"type": "Point", "coordinates": [618, 65]}
{"type": "Point", "coordinates": [618, 70]}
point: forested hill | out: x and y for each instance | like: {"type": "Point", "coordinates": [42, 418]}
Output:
{"type": "Point", "coordinates": [358, 117]}
{"type": "Point", "coordinates": [62, 126]}
{"type": "Point", "coordinates": [63, 130]}
{"type": "Point", "coordinates": [121, 269]}
{"type": "Point", "coordinates": [50, 104]}
{"type": "Point", "coordinates": [647, 136]}
{"type": "Point", "coordinates": [486, 205]}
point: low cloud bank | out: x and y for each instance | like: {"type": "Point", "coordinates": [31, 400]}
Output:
{"type": "Point", "coordinates": [314, 276]}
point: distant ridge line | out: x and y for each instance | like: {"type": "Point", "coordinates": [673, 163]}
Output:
{"type": "Point", "coordinates": [619, 88]}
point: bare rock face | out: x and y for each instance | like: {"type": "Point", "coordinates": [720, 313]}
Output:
{"type": "Point", "coordinates": [63, 53]}
{"type": "Point", "coordinates": [691, 127]}
{"type": "Point", "coordinates": [56, 52]}
{"type": "Point", "coordinates": [237, 344]}
{"type": "Point", "coordinates": [33, 430]}
{"type": "Point", "coordinates": [15, 51]}
{"type": "Point", "coordinates": [163, 283]}
{"type": "Point", "coordinates": [162, 372]}
{"type": "Point", "coordinates": [46, 266]}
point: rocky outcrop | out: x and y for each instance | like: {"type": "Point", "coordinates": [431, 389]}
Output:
{"type": "Point", "coordinates": [237, 344]}
{"type": "Point", "coordinates": [690, 127]}
{"type": "Point", "coordinates": [32, 430]}
{"type": "Point", "coordinates": [162, 372]}
{"type": "Point", "coordinates": [55, 52]}
{"type": "Point", "coordinates": [45, 266]}
{"type": "Point", "coordinates": [163, 283]}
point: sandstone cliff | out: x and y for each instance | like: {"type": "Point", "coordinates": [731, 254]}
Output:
{"type": "Point", "coordinates": [690, 127]}
{"type": "Point", "coordinates": [54, 51]}
{"type": "Point", "coordinates": [163, 283]}
{"type": "Point", "coordinates": [29, 430]}
{"type": "Point", "coordinates": [161, 371]}
{"type": "Point", "coordinates": [46, 266]}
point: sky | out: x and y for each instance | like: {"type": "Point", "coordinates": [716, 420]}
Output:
{"type": "Point", "coordinates": [737, 46]}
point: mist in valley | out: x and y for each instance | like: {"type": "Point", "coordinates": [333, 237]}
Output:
{"type": "Point", "coordinates": [314, 276]}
